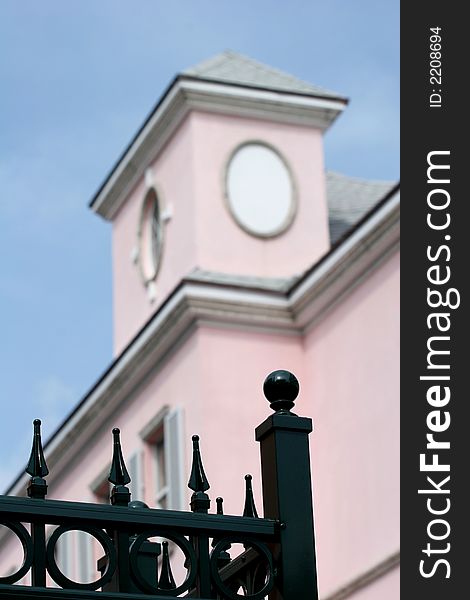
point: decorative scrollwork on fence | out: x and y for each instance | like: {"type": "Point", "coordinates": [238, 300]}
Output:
{"type": "Point", "coordinates": [106, 543]}
{"type": "Point", "coordinates": [28, 552]}
{"type": "Point", "coordinates": [165, 582]}
{"type": "Point", "coordinates": [256, 578]}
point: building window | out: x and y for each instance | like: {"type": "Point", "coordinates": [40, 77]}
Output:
{"type": "Point", "coordinates": [164, 440]}
{"type": "Point", "coordinates": [159, 459]}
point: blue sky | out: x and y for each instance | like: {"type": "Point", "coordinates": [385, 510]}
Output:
{"type": "Point", "coordinates": [77, 80]}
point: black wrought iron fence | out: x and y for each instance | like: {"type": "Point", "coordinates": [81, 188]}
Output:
{"type": "Point", "coordinates": [278, 551]}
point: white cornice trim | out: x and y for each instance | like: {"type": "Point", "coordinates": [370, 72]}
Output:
{"type": "Point", "coordinates": [186, 95]}
{"type": "Point", "coordinates": [263, 104]}
{"type": "Point", "coordinates": [219, 304]}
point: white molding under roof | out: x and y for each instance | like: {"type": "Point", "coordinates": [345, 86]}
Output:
{"type": "Point", "coordinates": [188, 94]}
{"type": "Point", "coordinates": [219, 302]}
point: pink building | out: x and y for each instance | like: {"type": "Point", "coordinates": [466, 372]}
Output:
{"type": "Point", "coordinates": [235, 254]}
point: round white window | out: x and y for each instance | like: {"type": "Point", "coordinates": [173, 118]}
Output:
{"type": "Point", "coordinates": [151, 236]}
{"type": "Point", "coordinates": [260, 190]}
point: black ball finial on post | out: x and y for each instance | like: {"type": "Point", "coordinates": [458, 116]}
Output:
{"type": "Point", "coordinates": [281, 388]}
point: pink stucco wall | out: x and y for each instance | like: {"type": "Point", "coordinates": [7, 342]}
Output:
{"type": "Point", "coordinates": [348, 368]}
{"type": "Point", "coordinates": [352, 386]}
{"type": "Point", "coordinates": [189, 177]}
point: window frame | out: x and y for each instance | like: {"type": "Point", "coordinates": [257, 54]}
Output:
{"type": "Point", "coordinates": [158, 430]}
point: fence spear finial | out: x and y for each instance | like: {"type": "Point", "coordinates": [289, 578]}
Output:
{"type": "Point", "coordinates": [118, 474]}
{"type": "Point", "coordinates": [37, 466]}
{"type": "Point", "coordinates": [198, 481]}
{"type": "Point", "coordinates": [166, 581]}
{"type": "Point", "coordinates": [250, 508]}
{"type": "Point", "coordinates": [224, 557]}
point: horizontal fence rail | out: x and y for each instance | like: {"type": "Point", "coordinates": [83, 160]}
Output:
{"type": "Point", "coordinates": [62, 512]}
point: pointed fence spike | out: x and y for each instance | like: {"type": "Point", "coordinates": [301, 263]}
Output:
{"type": "Point", "coordinates": [250, 508]}
{"type": "Point", "coordinates": [118, 474]}
{"type": "Point", "coordinates": [220, 511]}
{"type": "Point", "coordinates": [37, 466]}
{"type": "Point", "coordinates": [200, 501]}
{"type": "Point", "coordinates": [224, 557]}
{"type": "Point", "coordinates": [197, 480]}
{"type": "Point", "coordinates": [166, 581]}
{"type": "Point", "coordinates": [37, 463]}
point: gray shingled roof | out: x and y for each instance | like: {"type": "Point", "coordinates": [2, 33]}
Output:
{"type": "Point", "coordinates": [349, 199]}
{"type": "Point", "coordinates": [231, 67]}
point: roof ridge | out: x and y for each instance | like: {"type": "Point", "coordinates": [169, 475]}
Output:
{"type": "Point", "coordinates": [229, 66]}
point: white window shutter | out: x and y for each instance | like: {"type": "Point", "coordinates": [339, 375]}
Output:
{"type": "Point", "coordinates": [85, 558]}
{"type": "Point", "coordinates": [63, 551]}
{"type": "Point", "coordinates": [135, 472]}
{"type": "Point", "coordinates": [174, 458]}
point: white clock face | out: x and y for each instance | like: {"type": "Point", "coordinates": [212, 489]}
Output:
{"type": "Point", "coordinates": [259, 190]}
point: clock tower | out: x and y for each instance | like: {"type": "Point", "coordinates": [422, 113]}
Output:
{"type": "Point", "coordinates": [225, 177]}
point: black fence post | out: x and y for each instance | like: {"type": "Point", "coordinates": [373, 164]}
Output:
{"type": "Point", "coordinates": [287, 489]}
